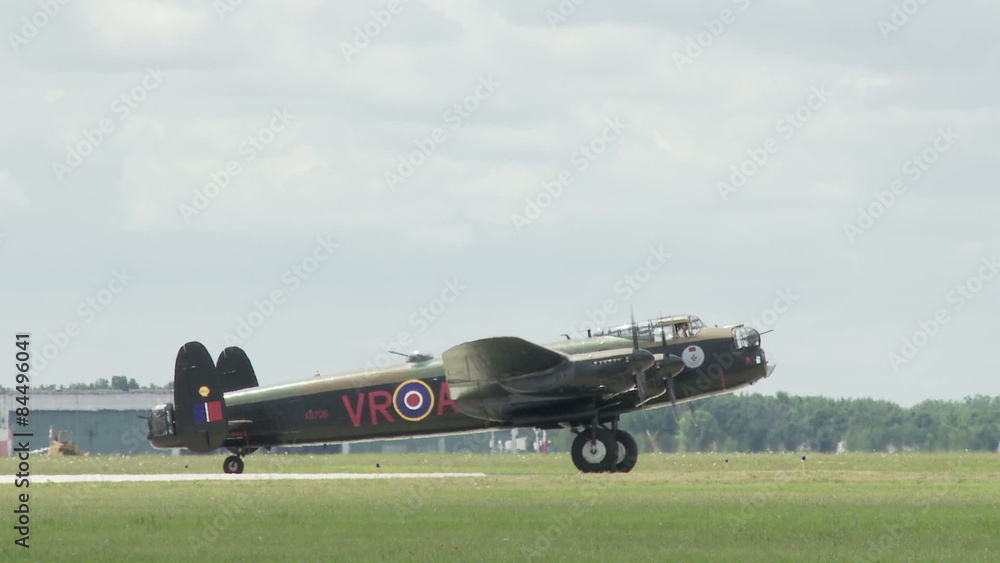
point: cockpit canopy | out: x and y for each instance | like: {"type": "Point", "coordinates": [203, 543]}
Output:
{"type": "Point", "coordinates": [677, 326]}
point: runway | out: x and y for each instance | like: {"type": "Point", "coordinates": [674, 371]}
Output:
{"type": "Point", "coordinates": [134, 478]}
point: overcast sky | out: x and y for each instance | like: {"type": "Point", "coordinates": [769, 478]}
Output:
{"type": "Point", "coordinates": [322, 182]}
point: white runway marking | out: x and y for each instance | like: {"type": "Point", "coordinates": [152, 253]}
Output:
{"type": "Point", "coordinates": [238, 477]}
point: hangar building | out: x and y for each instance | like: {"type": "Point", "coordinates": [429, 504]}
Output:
{"type": "Point", "coordinates": [101, 422]}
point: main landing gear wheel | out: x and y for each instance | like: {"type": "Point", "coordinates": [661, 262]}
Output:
{"type": "Point", "coordinates": [233, 464]}
{"type": "Point", "coordinates": [628, 452]}
{"type": "Point", "coordinates": [595, 456]}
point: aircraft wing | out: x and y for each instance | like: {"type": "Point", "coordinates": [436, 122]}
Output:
{"type": "Point", "coordinates": [495, 378]}
{"type": "Point", "coordinates": [497, 359]}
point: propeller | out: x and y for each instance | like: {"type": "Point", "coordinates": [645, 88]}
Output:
{"type": "Point", "coordinates": [640, 381]}
{"type": "Point", "coordinates": [635, 331]}
{"type": "Point", "coordinates": [670, 379]}
{"type": "Point", "coordinates": [668, 359]}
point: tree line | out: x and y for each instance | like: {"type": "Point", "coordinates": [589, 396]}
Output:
{"type": "Point", "coordinates": [116, 383]}
{"type": "Point", "coordinates": [782, 422]}
{"type": "Point", "coordinates": [779, 422]}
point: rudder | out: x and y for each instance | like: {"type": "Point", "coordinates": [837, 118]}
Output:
{"type": "Point", "coordinates": [235, 370]}
{"type": "Point", "coordinates": [199, 407]}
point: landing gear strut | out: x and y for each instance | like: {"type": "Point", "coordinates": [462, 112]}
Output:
{"type": "Point", "coordinates": [597, 449]}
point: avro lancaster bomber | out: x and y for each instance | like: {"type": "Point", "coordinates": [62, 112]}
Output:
{"type": "Point", "coordinates": [584, 384]}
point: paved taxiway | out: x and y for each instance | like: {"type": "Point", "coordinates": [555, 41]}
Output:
{"type": "Point", "coordinates": [92, 478]}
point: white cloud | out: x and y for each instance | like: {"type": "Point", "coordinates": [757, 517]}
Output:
{"type": "Point", "coordinates": [325, 172]}
{"type": "Point", "coordinates": [12, 196]}
{"type": "Point", "coordinates": [53, 94]}
{"type": "Point", "coordinates": [145, 26]}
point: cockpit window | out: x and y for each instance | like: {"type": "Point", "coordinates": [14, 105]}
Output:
{"type": "Point", "coordinates": [626, 332]}
{"type": "Point", "coordinates": [657, 330]}
{"type": "Point", "coordinates": [688, 327]}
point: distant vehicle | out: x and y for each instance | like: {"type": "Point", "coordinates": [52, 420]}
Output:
{"type": "Point", "coordinates": [584, 384]}
{"type": "Point", "coordinates": [61, 443]}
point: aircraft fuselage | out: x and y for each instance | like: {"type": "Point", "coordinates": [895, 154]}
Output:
{"type": "Point", "coordinates": [414, 399]}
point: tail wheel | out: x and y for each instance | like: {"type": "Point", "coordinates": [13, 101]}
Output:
{"type": "Point", "coordinates": [595, 456]}
{"type": "Point", "coordinates": [628, 452]}
{"type": "Point", "coordinates": [233, 464]}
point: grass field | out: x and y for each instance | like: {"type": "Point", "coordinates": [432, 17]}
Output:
{"type": "Point", "coordinates": [869, 507]}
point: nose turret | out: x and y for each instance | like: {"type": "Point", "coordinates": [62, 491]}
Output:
{"type": "Point", "coordinates": [745, 337]}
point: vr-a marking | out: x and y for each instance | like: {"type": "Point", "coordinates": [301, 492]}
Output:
{"type": "Point", "coordinates": [378, 402]}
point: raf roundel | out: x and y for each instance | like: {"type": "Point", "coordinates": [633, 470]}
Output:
{"type": "Point", "coordinates": [413, 400]}
{"type": "Point", "coordinates": [693, 356]}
